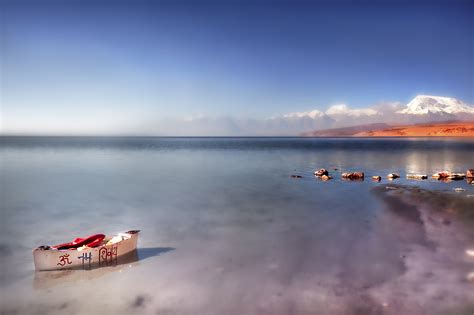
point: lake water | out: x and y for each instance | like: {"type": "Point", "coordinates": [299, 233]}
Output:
{"type": "Point", "coordinates": [225, 230]}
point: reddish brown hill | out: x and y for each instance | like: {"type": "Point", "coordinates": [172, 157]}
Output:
{"type": "Point", "coordinates": [442, 129]}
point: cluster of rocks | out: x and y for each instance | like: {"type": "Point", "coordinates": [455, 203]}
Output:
{"type": "Point", "coordinates": [323, 174]}
{"type": "Point", "coordinates": [453, 176]}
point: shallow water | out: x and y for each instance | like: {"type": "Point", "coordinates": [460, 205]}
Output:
{"type": "Point", "coordinates": [225, 230]}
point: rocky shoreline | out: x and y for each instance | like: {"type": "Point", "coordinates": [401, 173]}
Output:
{"type": "Point", "coordinates": [358, 175]}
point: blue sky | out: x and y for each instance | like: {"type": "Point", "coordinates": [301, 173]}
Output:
{"type": "Point", "coordinates": [82, 65]}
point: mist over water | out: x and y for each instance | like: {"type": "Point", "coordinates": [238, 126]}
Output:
{"type": "Point", "coordinates": [225, 230]}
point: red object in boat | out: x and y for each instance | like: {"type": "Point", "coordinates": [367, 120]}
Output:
{"type": "Point", "coordinates": [91, 241]}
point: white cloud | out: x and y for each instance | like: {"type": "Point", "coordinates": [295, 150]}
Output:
{"type": "Point", "coordinates": [311, 114]}
{"type": "Point", "coordinates": [343, 109]}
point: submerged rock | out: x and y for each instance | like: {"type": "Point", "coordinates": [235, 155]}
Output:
{"type": "Point", "coordinates": [326, 177]}
{"type": "Point", "coordinates": [470, 277]}
{"type": "Point", "coordinates": [296, 176]}
{"type": "Point", "coordinates": [321, 172]}
{"type": "Point", "coordinates": [446, 221]}
{"type": "Point", "coordinates": [353, 175]}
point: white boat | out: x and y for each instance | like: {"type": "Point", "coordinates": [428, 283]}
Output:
{"type": "Point", "coordinates": [94, 251]}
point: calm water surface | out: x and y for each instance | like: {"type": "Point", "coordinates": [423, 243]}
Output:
{"type": "Point", "coordinates": [226, 231]}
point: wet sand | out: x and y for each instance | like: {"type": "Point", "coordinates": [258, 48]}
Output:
{"type": "Point", "coordinates": [416, 243]}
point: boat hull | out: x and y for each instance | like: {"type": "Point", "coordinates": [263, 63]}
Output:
{"type": "Point", "coordinates": [104, 255]}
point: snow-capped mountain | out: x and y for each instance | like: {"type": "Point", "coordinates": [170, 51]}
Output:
{"type": "Point", "coordinates": [427, 104]}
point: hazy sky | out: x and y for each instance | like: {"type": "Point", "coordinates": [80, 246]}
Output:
{"type": "Point", "coordinates": [90, 67]}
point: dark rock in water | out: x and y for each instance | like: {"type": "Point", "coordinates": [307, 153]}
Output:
{"type": "Point", "coordinates": [296, 176]}
{"type": "Point", "coordinates": [353, 175]}
{"type": "Point", "coordinates": [63, 306]}
{"type": "Point", "coordinates": [377, 178]}
{"type": "Point", "coordinates": [321, 172]}
{"type": "Point", "coordinates": [456, 176]}
{"type": "Point", "coordinates": [470, 173]}
{"type": "Point", "coordinates": [139, 301]}
{"type": "Point", "coordinates": [393, 176]}
{"type": "Point", "coordinates": [446, 221]}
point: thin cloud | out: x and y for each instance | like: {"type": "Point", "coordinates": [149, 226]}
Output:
{"type": "Point", "coordinates": [343, 109]}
